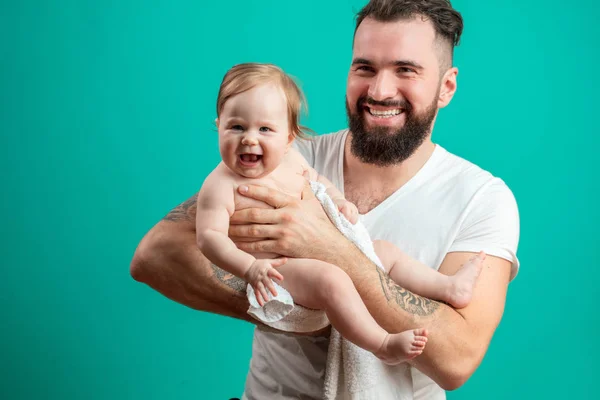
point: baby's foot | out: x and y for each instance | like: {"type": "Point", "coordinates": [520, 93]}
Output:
{"type": "Point", "coordinates": [403, 346]}
{"type": "Point", "coordinates": [463, 281]}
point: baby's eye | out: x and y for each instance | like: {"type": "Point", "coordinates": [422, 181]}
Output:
{"type": "Point", "coordinates": [237, 128]}
{"type": "Point", "coordinates": [264, 129]}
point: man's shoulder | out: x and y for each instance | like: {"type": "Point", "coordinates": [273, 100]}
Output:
{"type": "Point", "coordinates": [461, 171]}
{"type": "Point", "coordinates": [467, 182]}
{"type": "Point", "coordinates": [319, 146]}
{"type": "Point", "coordinates": [322, 139]}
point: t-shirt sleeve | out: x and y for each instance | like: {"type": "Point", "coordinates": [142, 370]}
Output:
{"type": "Point", "coordinates": [306, 147]}
{"type": "Point", "coordinates": [491, 224]}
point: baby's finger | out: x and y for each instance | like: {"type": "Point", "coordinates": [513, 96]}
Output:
{"type": "Point", "coordinates": [279, 262]}
{"type": "Point", "coordinates": [273, 273]}
{"type": "Point", "coordinates": [263, 292]}
{"type": "Point", "coordinates": [271, 288]}
{"type": "Point", "coordinates": [258, 297]}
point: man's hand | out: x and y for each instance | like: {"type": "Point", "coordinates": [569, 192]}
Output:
{"type": "Point", "coordinates": [294, 228]}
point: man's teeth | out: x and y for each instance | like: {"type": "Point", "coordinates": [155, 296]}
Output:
{"type": "Point", "coordinates": [386, 113]}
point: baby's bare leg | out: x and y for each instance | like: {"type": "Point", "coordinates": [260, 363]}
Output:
{"type": "Point", "coordinates": [463, 281]}
{"type": "Point", "coordinates": [319, 285]}
{"type": "Point", "coordinates": [417, 277]}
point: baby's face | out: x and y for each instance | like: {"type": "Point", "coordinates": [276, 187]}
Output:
{"type": "Point", "coordinates": [254, 131]}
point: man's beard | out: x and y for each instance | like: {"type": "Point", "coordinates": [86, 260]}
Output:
{"type": "Point", "coordinates": [384, 146]}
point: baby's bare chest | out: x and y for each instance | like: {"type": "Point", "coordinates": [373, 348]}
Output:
{"type": "Point", "coordinates": [286, 179]}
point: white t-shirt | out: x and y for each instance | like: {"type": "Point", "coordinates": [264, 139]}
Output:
{"type": "Point", "coordinates": [450, 205]}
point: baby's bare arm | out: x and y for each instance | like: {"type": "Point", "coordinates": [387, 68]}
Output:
{"type": "Point", "coordinates": [214, 206]}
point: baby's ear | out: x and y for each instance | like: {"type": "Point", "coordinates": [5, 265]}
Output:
{"type": "Point", "coordinates": [289, 143]}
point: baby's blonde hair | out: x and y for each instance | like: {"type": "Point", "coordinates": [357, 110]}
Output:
{"type": "Point", "coordinates": [246, 76]}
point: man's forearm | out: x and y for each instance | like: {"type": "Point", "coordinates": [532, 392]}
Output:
{"type": "Point", "coordinates": [169, 261]}
{"type": "Point", "coordinates": [180, 272]}
{"type": "Point", "coordinates": [448, 357]}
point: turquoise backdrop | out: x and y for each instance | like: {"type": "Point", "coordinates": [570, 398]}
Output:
{"type": "Point", "coordinates": [106, 111]}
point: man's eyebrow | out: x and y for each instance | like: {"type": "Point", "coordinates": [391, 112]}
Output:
{"type": "Point", "coordinates": [408, 63]}
{"type": "Point", "coordinates": [399, 63]}
{"type": "Point", "coordinates": [361, 61]}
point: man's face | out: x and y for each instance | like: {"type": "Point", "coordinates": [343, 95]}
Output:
{"type": "Point", "coordinates": [393, 89]}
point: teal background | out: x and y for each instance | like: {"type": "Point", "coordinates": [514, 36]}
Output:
{"type": "Point", "coordinates": [106, 124]}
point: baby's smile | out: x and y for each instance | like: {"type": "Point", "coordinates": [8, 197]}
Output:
{"type": "Point", "coordinates": [249, 159]}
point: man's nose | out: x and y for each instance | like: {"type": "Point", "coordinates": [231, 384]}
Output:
{"type": "Point", "coordinates": [382, 86]}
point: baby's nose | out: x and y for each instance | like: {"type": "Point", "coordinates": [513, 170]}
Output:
{"type": "Point", "coordinates": [249, 140]}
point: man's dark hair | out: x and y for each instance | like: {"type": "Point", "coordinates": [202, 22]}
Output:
{"type": "Point", "coordinates": [448, 22]}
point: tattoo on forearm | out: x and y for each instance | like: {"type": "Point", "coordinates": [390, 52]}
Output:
{"type": "Point", "coordinates": [408, 301]}
{"type": "Point", "coordinates": [186, 211]}
{"type": "Point", "coordinates": [230, 280]}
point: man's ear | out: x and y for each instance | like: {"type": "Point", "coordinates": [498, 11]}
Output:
{"type": "Point", "coordinates": [448, 87]}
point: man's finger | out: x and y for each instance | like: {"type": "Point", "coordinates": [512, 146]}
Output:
{"type": "Point", "coordinates": [254, 215]}
{"type": "Point", "coordinates": [263, 246]}
{"type": "Point", "coordinates": [270, 196]}
{"type": "Point", "coordinates": [251, 231]}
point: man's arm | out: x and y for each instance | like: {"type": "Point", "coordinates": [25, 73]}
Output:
{"type": "Point", "coordinates": [457, 341]}
{"type": "Point", "coordinates": [168, 260]}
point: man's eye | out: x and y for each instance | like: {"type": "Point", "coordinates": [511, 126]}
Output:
{"type": "Point", "coordinates": [237, 128]}
{"type": "Point", "coordinates": [405, 70]}
{"type": "Point", "coordinates": [365, 68]}
{"type": "Point", "coordinates": [264, 129]}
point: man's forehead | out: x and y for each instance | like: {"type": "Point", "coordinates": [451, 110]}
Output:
{"type": "Point", "coordinates": [404, 37]}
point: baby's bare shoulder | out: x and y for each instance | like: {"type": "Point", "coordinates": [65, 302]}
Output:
{"type": "Point", "coordinates": [218, 183]}
{"type": "Point", "coordinates": [294, 156]}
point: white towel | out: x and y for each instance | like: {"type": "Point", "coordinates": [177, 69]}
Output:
{"type": "Point", "coordinates": [351, 372]}
{"type": "Point", "coordinates": [281, 313]}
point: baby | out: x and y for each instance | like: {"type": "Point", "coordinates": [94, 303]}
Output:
{"type": "Point", "coordinates": [258, 112]}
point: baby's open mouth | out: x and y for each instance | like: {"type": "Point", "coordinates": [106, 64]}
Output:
{"type": "Point", "coordinates": [250, 158]}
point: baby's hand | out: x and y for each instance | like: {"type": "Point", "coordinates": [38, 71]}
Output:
{"type": "Point", "coordinates": [261, 274]}
{"type": "Point", "coordinates": [348, 209]}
